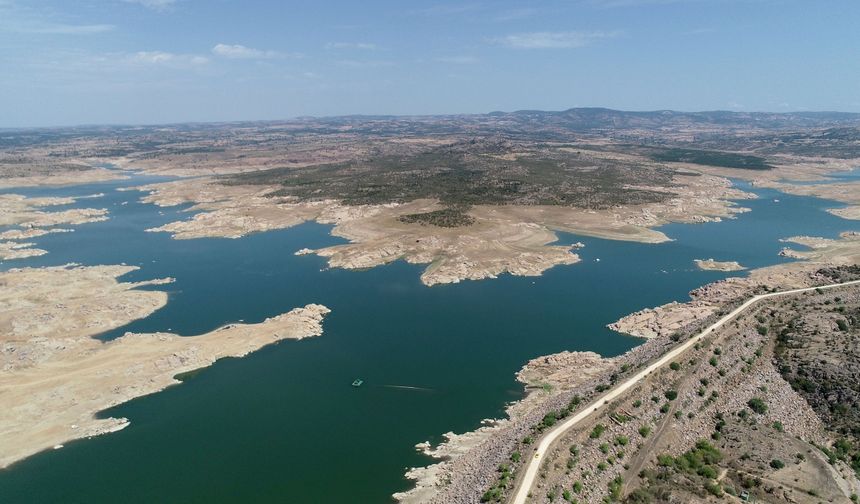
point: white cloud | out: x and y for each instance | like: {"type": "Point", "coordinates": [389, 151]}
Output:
{"type": "Point", "coordinates": [633, 3]}
{"type": "Point", "coordinates": [365, 63]}
{"type": "Point", "coordinates": [167, 58]}
{"type": "Point", "coordinates": [63, 29]}
{"type": "Point", "coordinates": [18, 19]}
{"type": "Point", "coordinates": [515, 14]}
{"type": "Point", "coordinates": [457, 60]}
{"type": "Point", "coordinates": [238, 51]}
{"type": "Point", "coordinates": [445, 10]}
{"type": "Point", "coordinates": [156, 5]}
{"type": "Point", "coordinates": [553, 40]}
{"type": "Point", "coordinates": [366, 46]}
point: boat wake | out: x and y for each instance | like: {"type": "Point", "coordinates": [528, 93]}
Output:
{"type": "Point", "coordinates": [407, 387]}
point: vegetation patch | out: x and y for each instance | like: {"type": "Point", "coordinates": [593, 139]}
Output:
{"type": "Point", "coordinates": [712, 158]}
{"type": "Point", "coordinates": [451, 217]}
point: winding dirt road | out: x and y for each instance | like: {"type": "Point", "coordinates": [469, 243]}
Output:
{"type": "Point", "coordinates": [522, 491]}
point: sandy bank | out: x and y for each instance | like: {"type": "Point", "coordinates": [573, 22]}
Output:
{"type": "Point", "coordinates": [17, 210]}
{"type": "Point", "coordinates": [712, 265]}
{"type": "Point", "coordinates": [19, 250]}
{"type": "Point", "coordinates": [503, 239]}
{"type": "Point", "coordinates": [28, 218]}
{"type": "Point", "coordinates": [792, 169]}
{"type": "Point", "coordinates": [56, 376]}
{"type": "Point", "coordinates": [845, 250]}
{"type": "Point", "coordinates": [465, 458]}
{"type": "Point", "coordinates": [468, 462]}
{"type": "Point", "coordinates": [850, 212]}
{"type": "Point", "coordinates": [62, 177]}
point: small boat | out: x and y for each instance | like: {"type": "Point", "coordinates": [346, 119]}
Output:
{"type": "Point", "coordinates": [357, 382]}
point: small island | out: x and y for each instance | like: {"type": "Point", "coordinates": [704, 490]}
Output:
{"type": "Point", "coordinates": [712, 265]}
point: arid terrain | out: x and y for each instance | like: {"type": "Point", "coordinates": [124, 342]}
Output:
{"type": "Point", "coordinates": [471, 196]}
{"type": "Point", "coordinates": [752, 409]}
{"type": "Point", "coordinates": [766, 406]}
{"type": "Point", "coordinates": [57, 375]}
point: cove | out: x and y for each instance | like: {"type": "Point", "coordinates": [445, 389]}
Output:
{"type": "Point", "coordinates": [283, 424]}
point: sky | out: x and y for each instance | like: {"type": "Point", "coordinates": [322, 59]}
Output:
{"type": "Point", "coordinates": [69, 62]}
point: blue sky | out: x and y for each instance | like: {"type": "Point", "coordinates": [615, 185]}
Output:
{"type": "Point", "coordinates": [156, 61]}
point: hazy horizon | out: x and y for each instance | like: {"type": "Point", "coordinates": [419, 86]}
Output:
{"type": "Point", "coordinates": [137, 62]}
{"type": "Point", "coordinates": [452, 114]}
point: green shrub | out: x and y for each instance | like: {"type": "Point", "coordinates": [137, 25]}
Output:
{"type": "Point", "coordinates": [674, 366]}
{"type": "Point", "coordinates": [597, 431]}
{"type": "Point", "coordinates": [714, 488]}
{"type": "Point", "coordinates": [615, 487]}
{"type": "Point", "coordinates": [756, 404]}
{"type": "Point", "coordinates": [664, 460]}
{"type": "Point", "coordinates": [640, 496]}
{"type": "Point", "coordinates": [644, 431]}
{"type": "Point", "coordinates": [671, 395]}
{"type": "Point", "coordinates": [707, 472]}
{"type": "Point", "coordinates": [777, 464]}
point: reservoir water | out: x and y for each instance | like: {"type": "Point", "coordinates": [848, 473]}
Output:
{"type": "Point", "coordinates": [284, 424]}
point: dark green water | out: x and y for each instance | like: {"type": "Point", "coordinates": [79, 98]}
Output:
{"type": "Point", "coordinates": [284, 424]}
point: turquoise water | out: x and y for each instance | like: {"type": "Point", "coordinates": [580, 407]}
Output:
{"type": "Point", "coordinates": [851, 175]}
{"type": "Point", "coordinates": [284, 424]}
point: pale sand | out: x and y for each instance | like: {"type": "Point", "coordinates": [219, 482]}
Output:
{"type": "Point", "coordinates": [712, 265]}
{"type": "Point", "coordinates": [663, 320]}
{"type": "Point", "coordinates": [671, 317]}
{"type": "Point", "coordinates": [64, 177]}
{"type": "Point", "coordinates": [17, 250]}
{"type": "Point", "coordinates": [56, 376]}
{"type": "Point", "coordinates": [843, 192]}
{"type": "Point", "coordinates": [473, 456]}
{"type": "Point", "coordinates": [504, 239]}
{"type": "Point", "coordinates": [558, 372]}
{"type": "Point", "coordinates": [26, 234]}
{"type": "Point", "coordinates": [845, 250]}
{"type": "Point", "coordinates": [17, 210]}
{"type": "Point", "coordinates": [801, 169]}
{"type": "Point", "coordinates": [850, 212]}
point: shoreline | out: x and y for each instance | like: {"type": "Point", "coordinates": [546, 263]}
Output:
{"type": "Point", "coordinates": [457, 477]}
{"type": "Point", "coordinates": [713, 265]}
{"type": "Point", "coordinates": [501, 239]}
{"type": "Point", "coordinates": [57, 376]}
